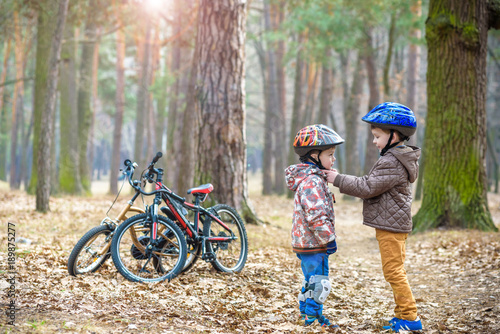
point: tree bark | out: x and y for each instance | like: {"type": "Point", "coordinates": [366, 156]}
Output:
{"type": "Point", "coordinates": [326, 94]}
{"type": "Point", "coordinates": [119, 105]}
{"type": "Point", "coordinates": [351, 117]}
{"type": "Point", "coordinates": [221, 102]}
{"type": "Point", "coordinates": [312, 84]}
{"type": "Point", "coordinates": [298, 97]}
{"type": "Point", "coordinates": [85, 95]}
{"type": "Point", "coordinates": [69, 170]}
{"type": "Point", "coordinates": [45, 29]}
{"type": "Point", "coordinates": [371, 154]}
{"type": "Point", "coordinates": [273, 110]}
{"type": "Point", "coordinates": [95, 104]}
{"type": "Point", "coordinates": [455, 140]}
{"type": "Point", "coordinates": [143, 98]}
{"type": "Point", "coordinates": [280, 147]}
{"type": "Point", "coordinates": [3, 112]}
{"type": "Point", "coordinates": [413, 67]}
{"type": "Point", "coordinates": [388, 58]}
{"type": "Point", "coordinates": [17, 104]}
{"type": "Point", "coordinates": [44, 148]}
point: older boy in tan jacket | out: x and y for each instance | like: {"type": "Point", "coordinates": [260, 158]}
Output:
{"type": "Point", "coordinates": [386, 194]}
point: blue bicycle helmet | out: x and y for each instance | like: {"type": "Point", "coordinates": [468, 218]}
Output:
{"type": "Point", "coordinates": [392, 116]}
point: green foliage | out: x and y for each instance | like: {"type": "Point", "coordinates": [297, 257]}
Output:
{"type": "Point", "coordinates": [341, 24]}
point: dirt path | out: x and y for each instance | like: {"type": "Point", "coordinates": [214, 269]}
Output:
{"type": "Point", "coordinates": [455, 277]}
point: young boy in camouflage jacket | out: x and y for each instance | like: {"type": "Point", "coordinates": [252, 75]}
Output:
{"type": "Point", "coordinates": [313, 230]}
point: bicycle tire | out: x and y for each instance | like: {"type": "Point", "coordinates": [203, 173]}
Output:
{"type": "Point", "coordinates": [91, 245]}
{"type": "Point", "coordinates": [230, 257]}
{"type": "Point", "coordinates": [148, 265]}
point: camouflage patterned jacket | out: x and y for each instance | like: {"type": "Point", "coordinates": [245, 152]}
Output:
{"type": "Point", "coordinates": [313, 217]}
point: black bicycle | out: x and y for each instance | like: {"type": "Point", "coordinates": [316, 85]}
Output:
{"type": "Point", "coordinates": [216, 234]}
{"type": "Point", "coordinates": [148, 247]}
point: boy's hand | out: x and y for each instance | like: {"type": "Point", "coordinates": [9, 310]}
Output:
{"type": "Point", "coordinates": [331, 175]}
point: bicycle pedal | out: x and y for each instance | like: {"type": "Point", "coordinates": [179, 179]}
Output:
{"type": "Point", "coordinates": [208, 257]}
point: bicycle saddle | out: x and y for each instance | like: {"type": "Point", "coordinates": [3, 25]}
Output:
{"type": "Point", "coordinates": [203, 189]}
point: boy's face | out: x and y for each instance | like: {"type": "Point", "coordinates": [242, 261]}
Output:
{"type": "Point", "coordinates": [380, 138]}
{"type": "Point", "coordinates": [327, 158]}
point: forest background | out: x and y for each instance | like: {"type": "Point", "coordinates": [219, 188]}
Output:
{"type": "Point", "coordinates": [126, 85]}
{"type": "Point", "coordinates": [136, 77]}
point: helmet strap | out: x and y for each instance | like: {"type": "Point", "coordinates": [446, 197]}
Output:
{"type": "Point", "coordinates": [388, 146]}
{"type": "Point", "coordinates": [317, 162]}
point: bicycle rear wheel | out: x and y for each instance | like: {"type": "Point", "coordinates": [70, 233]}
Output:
{"type": "Point", "coordinates": [230, 256]}
{"type": "Point", "coordinates": [140, 259]}
{"type": "Point", "coordinates": [91, 251]}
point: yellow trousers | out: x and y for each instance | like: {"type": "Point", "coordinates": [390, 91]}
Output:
{"type": "Point", "coordinates": [392, 252]}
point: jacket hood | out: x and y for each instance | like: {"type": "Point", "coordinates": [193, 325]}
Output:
{"type": "Point", "coordinates": [408, 156]}
{"type": "Point", "coordinates": [295, 174]}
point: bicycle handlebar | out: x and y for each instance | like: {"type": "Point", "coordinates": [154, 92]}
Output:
{"type": "Point", "coordinates": [132, 166]}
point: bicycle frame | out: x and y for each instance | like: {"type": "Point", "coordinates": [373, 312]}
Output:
{"type": "Point", "coordinates": [161, 192]}
{"type": "Point", "coordinates": [122, 216]}
{"type": "Point", "coordinates": [192, 231]}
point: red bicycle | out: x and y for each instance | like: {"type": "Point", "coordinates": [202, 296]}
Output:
{"type": "Point", "coordinates": [216, 234]}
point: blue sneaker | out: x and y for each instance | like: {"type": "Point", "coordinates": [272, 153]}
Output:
{"type": "Point", "coordinates": [407, 325]}
{"type": "Point", "coordinates": [322, 320]}
{"type": "Point", "coordinates": [391, 323]}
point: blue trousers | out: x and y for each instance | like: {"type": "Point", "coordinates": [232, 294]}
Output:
{"type": "Point", "coordinates": [312, 264]}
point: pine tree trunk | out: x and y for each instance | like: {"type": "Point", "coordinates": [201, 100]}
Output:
{"type": "Point", "coordinates": [69, 170]}
{"type": "Point", "coordinates": [221, 102]}
{"type": "Point", "coordinates": [280, 117]}
{"type": "Point", "coordinates": [388, 58]}
{"type": "Point", "coordinates": [3, 112]}
{"type": "Point", "coordinates": [371, 154]}
{"type": "Point", "coordinates": [455, 140]}
{"type": "Point", "coordinates": [351, 120]}
{"type": "Point", "coordinates": [17, 103]}
{"type": "Point", "coordinates": [44, 161]}
{"type": "Point", "coordinates": [326, 94]}
{"type": "Point", "coordinates": [84, 96]}
{"type": "Point", "coordinates": [173, 114]}
{"type": "Point", "coordinates": [272, 110]}
{"type": "Point", "coordinates": [45, 30]}
{"type": "Point", "coordinates": [119, 105]}
{"type": "Point", "coordinates": [413, 67]}
{"type": "Point", "coordinates": [95, 104]}
{"type": "Point", "coordinates": [312, 83]}
{"type": "Point", "coordinates": [298, 97]}
{"type": "Point", "coordinates": [143, 99]}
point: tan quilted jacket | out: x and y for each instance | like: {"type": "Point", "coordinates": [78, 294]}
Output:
{"type": "Point", "coordinates": [386, 190]}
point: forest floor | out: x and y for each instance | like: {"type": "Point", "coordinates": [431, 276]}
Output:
{"type": "Point", "coordinates": [455, 277]}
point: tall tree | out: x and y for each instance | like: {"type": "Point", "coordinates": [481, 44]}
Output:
{"type": "Point", "coordinates": [17, 104]}
{"type": "Point", "coordinates": [44, 161]}
{"type": "Point", "coordinates": [351, 117]}
{"type": "Point", "coordinates": [413, 67]}
{"type": "Point", "coordinates": [374, 99]}
{"type": "Point", "coordinates": [455, 140]}
{"type": "Point", "coordinates": [3, 111]}
{"type": "Point", "coordinates": [69, 170]}
{"type": "Point", "coordinates": [326, 94]}
{"type": "Point", "coordinates": [119, 105]}
{"type": "Point", "coordinates": [279, 131]}
{"type": "Point", "coordinates": [85, 93]}
{"type": "Point", "coordinates": [45, 31]}
{"type": "Point", "coordinates": [143, 94]}
{"type": "Point", "coordinates": [221, 101]}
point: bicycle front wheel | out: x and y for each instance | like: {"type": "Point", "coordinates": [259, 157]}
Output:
{"type": "Point", "coordinates": [140, 259]}
{"type": "Point", "coordinates": [91, 251]}
{"type": "Point", "coordinates": [229, 256]}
